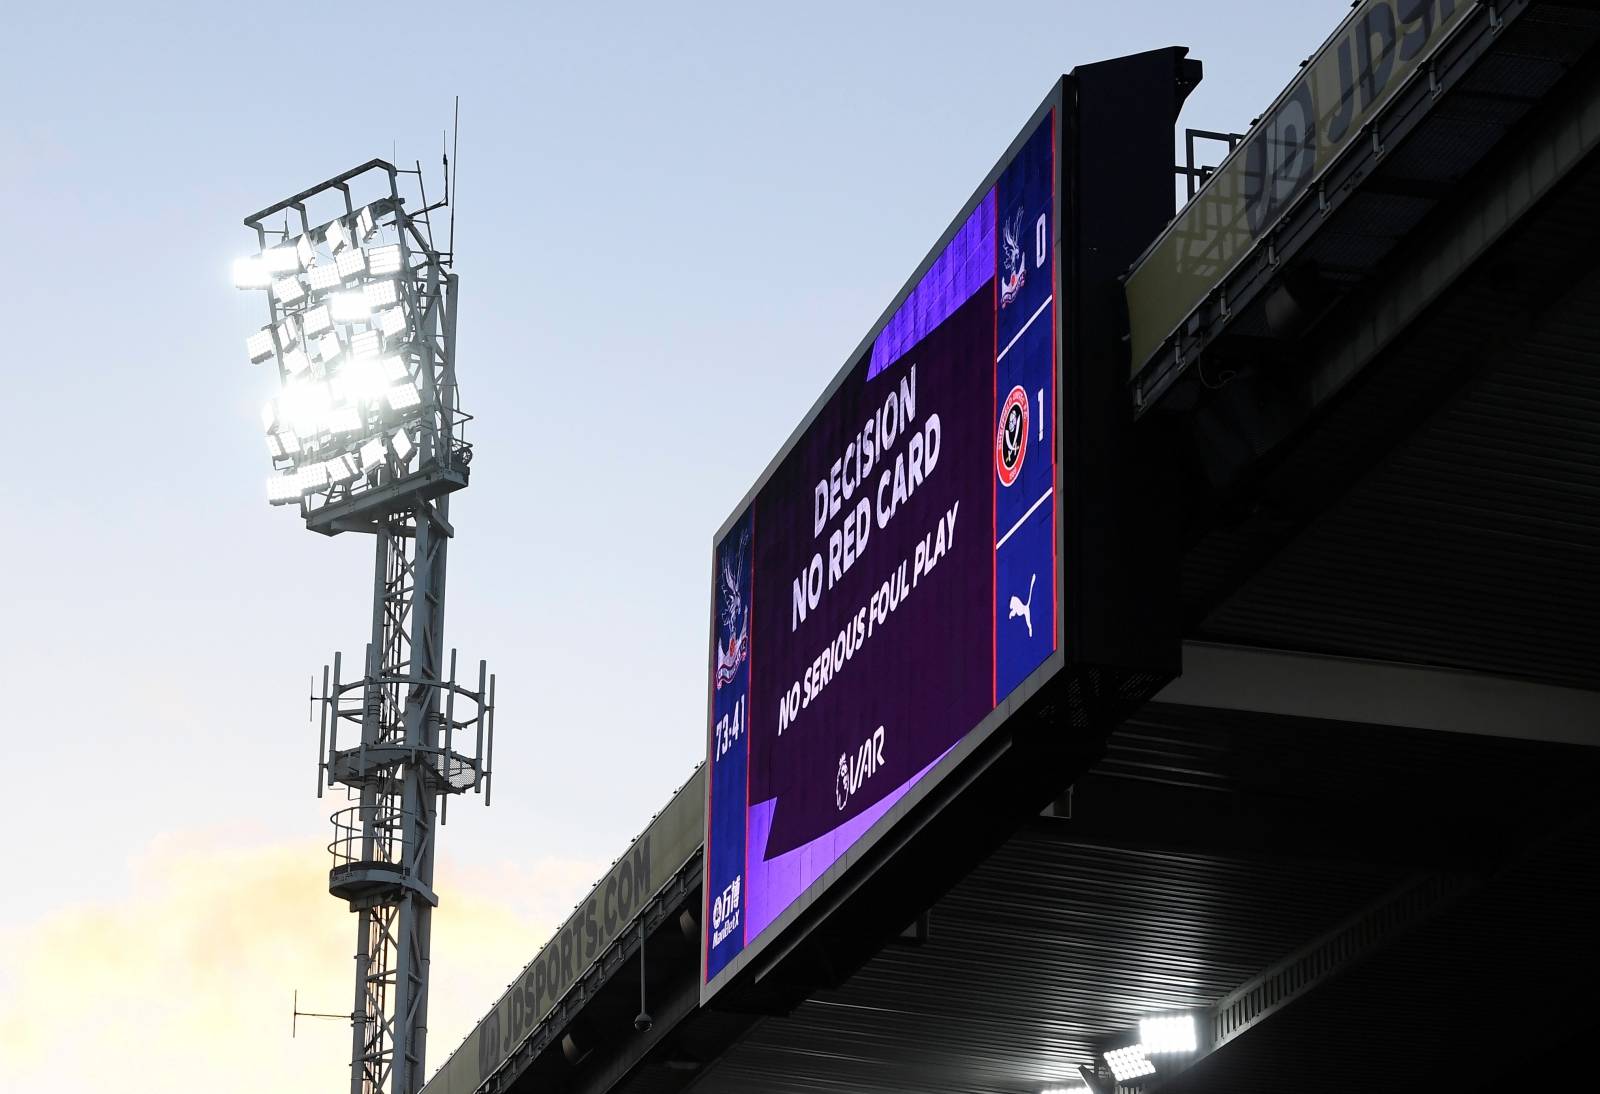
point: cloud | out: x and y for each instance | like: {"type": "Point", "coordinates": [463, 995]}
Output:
{"type": "Point", "coordinates": [185, 979]}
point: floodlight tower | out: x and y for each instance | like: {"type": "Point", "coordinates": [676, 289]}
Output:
{"type": "Point", "coordinates": [366, 435]}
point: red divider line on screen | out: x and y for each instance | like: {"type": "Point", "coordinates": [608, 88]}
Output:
{"type": "Point", "coordinates": [994, 501]}
{"type": "Point", "coordinates": [1057, 325]}
{"type": "Point", "coordinates": [749, 694]}
{"type": "Point", "coordinates": [711, 783]}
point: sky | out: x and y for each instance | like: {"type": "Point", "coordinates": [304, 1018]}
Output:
{"type": "Point", "coordinates": [673, 224]}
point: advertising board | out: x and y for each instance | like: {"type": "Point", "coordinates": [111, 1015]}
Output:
{"type": "Point", "coordinates": [892, 580]}
{"type": "Point", "coordinates": [1375, 50]}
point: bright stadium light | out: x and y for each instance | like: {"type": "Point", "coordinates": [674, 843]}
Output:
{"type": "Point", "coordinates": [303, 406]}
{"type": "Point", "coordinates": [324, 276]}
{"type": "Point", "coordinates": [384, 260]}
{"type": "Point", "coordinates": [365, 224]}
{"type": "Point", "coordinates": [1168, 1033]}
{"type": "Point", "coordinates": [260, 345]}
{"type": "Point", "coordinates": [372, 453]}
{"type": "Point", "coordinates": [1129, 1063]}
{"type": "Point", "coordinates": [302, 251]}
{"type": "Point", "coordinates": [295, 361]}
{"type": "Point", "coordinates": [379, 294]}
{"type": "Point", "coordinates": [288, 289]}
{"type": "Point", "coordinates": [251, 273]}
{"type": "Point", "coordinates": [283, 445]}
{"type": "Point", "coordinates": [403, 396]}
{"type": "Point", "coordinates": [349, 307]}
{"type": "Point", "coordinates": [342, 468]}
{"type": "Point", "coordinates": [316, 320]}
{"type": "Point", "coordinates": [329, 347]}
{"type": "Point", "coordinates": [337, 237]}
{"type": "Point", "coordinates": [366, 344]}
{"type": "Point", "coordinates": [392, 322]}
{"type": "Point", "coordinates": [284, 259]}
{"type": "Point", "coordinates": [350, 263]}
{"type": "Point", "coordinates": [286, 332]}
{"type": "Point", "coordinates": [401, 443]}
{"type": "Point", "coordinates": [344, 419]}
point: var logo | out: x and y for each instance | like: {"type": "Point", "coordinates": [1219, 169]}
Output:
{"type": "Point", "coordinates": [1279, 158]}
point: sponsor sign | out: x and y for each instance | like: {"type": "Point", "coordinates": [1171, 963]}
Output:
{"type": "Point", "coordinates": [1350, 78]}
{"type": "Point", "coordinates": [610, 908]}
{"type": "Point", "coordinates": [893, 577]}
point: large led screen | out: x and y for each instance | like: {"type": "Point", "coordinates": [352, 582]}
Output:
{"type": "Point", "coordinates": [892, 580]}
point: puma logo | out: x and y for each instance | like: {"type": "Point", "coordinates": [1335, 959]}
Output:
{"type": "Point", "coordinates": [1024, 608]}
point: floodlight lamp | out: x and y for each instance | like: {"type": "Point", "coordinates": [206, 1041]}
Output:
{"type": "Point", "coordinates": [350, 307]}
{"type": "Point", "coordinates": [401, 443]}
{"type": "Point", "coordinates": [302, 251]}
{"type": "Point", "coordinates": [286, 333]}
{"type": "Point", "coordinates": [360, 381]}
{"type": "Point", "coordinates": [341, 468]}
{"type": "Point", "coordinates": [392, 322]}
{"type": "Point", "coordinates": [338, 239]}
{"type": "Point", "coordinates": [372, 454]}
{"type": "Point", "coordinates": [282, 489]}
{"type": "Point", "coordinates": [1076, 1088]}
{"type": "Point", "coordinates": [379, 294]}
{"type": "Point", "coordinates": [295, 362]}
{"type": "Point", "coordinates": [282, 446]}
{"type": "Point", "coordinates": [364, 223]}
{"type": "Point", "coordinates": [288, 289]}
{"type": "Point", "coordinates": [344, 419]}
{"type": "Point", "coordinates": [304, 406]}
{"type": "Point", "coordinates": [269, 416]}
{"type": "Point", "coordinates": [394, 368]}
{"type": "Point", "coordinates": [384, 260]}
{"type": "Point", "coordinates": [329, 347]}
{"type": "Point", "coordinates": [1168, 1033]}
{"type": "Point", "coordinates": [1129, 1063]}
{"type": "Point", "coordinates": [260, 345]}
{"type": "Point", "coordinates": [366, 344]}
{"type": "Point", "coordinates": [251, 273]}
{"type": "Point", "coordinates": [403, 396]}
{"type": "Point", "coordinates": [284, 259]}
{"type": "Point", "coordinates": [316, 320]}
{"type": "Point", "coordinates": [324, 276]}
{"type": "Point", "coordinates": [351, 262]}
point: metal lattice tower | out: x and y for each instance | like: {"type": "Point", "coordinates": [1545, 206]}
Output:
{"type": "Point", "coordinates": [367, 438]}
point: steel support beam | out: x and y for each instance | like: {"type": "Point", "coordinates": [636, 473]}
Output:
{"type": "Point", "coordinates": [1382, 693]}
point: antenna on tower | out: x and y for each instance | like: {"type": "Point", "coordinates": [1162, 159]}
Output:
{"type": "Point", "coordinates": [299, 1014]}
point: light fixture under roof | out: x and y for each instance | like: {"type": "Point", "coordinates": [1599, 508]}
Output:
{"type": "Point", "coordinates": [364, 223]}
{"type": "Point", "coordinates": [1168, 1033]}
{"type": "Point", "coordinates": [1129, 1063]}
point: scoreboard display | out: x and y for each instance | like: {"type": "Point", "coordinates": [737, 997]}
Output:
{"type": "Point", "coordinates": [892, 580]}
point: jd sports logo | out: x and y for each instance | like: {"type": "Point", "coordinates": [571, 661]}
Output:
{"type": "Point", "coordinates": [1011, 438]}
